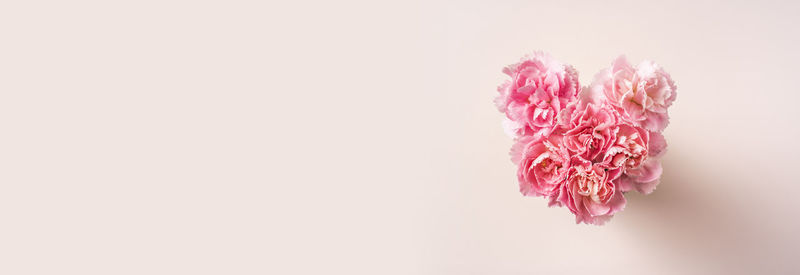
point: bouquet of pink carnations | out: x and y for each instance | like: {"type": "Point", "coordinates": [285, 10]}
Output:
{"type": "Point", "coordinates": [584, 147]}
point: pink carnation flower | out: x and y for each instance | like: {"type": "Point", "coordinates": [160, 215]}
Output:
{"type": "Point", "coordinates": [540, 87]}
{"type": "Point", "coordinates": [542, 164]}
{"type": "Point", "coordinates": [643, 175]}
{"type": "Point", "coordinates": [641, 94]}
{"type": "Point", "coordinates": [590, 192]}
{"type": "Point", "coordinates": [630, 147]}
{"type": "Point", "coordinates": [590, 126]}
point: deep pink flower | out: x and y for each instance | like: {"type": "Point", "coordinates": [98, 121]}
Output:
{"type": "Point", "coordinates": [590, 192]}
{"type": "Point", "coordinates": [590, 127]}
{"type": "Point", "coordinates": [542, 164]}
{"type": "Point", "coordinates": [539, 88]}
{"type": "Point", "coordinates": [641, 94]}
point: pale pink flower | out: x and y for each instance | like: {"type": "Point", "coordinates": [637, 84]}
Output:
{"type": "Point", "coordinates": [646, 175]}
{"type": "Point", "coordinates": [590, 193]}
{"type": "Point", "coordinates": [642, 94]}
{"type": "Point", "coordinates": [539, 88]}
{"type": "Point", "coordinates": [630, 147]}
{"type": "Point", "coordinates": [542, 164]}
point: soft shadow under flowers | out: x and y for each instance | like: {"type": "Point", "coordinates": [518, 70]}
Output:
{"type": "Point", "coordinates": [694, 220]}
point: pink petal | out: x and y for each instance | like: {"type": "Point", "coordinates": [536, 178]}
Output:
{"type": "Point", "coordinates": [647, 187]}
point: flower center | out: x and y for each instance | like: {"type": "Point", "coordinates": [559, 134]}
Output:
{"type": "Point", "coordinates": [589, 185]}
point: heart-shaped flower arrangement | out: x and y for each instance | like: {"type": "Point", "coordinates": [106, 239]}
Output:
{"type": "Point", "coordinates": [584, 147]}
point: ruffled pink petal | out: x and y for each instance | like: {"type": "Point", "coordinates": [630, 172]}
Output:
{"type": "Point", "coordinates": [625, 183]}
{"type": "Point", "coordinates": [657, 146]}
{"type": "Point", "coordinates": [518, 148]}
{"type": "Point", "coordinates": [596, 209]}
{"type": "Point", "coordinates": [617, 202]}
{"type": "Point", "coordinates": [655, 122]}
{"type": "Point", "coordinates": [647, 187]}
{"type": "Point", "coordinates": [649, 171]}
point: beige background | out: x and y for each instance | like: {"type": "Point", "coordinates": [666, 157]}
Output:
{"type": "Point", "coordinates": [329, 137]}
